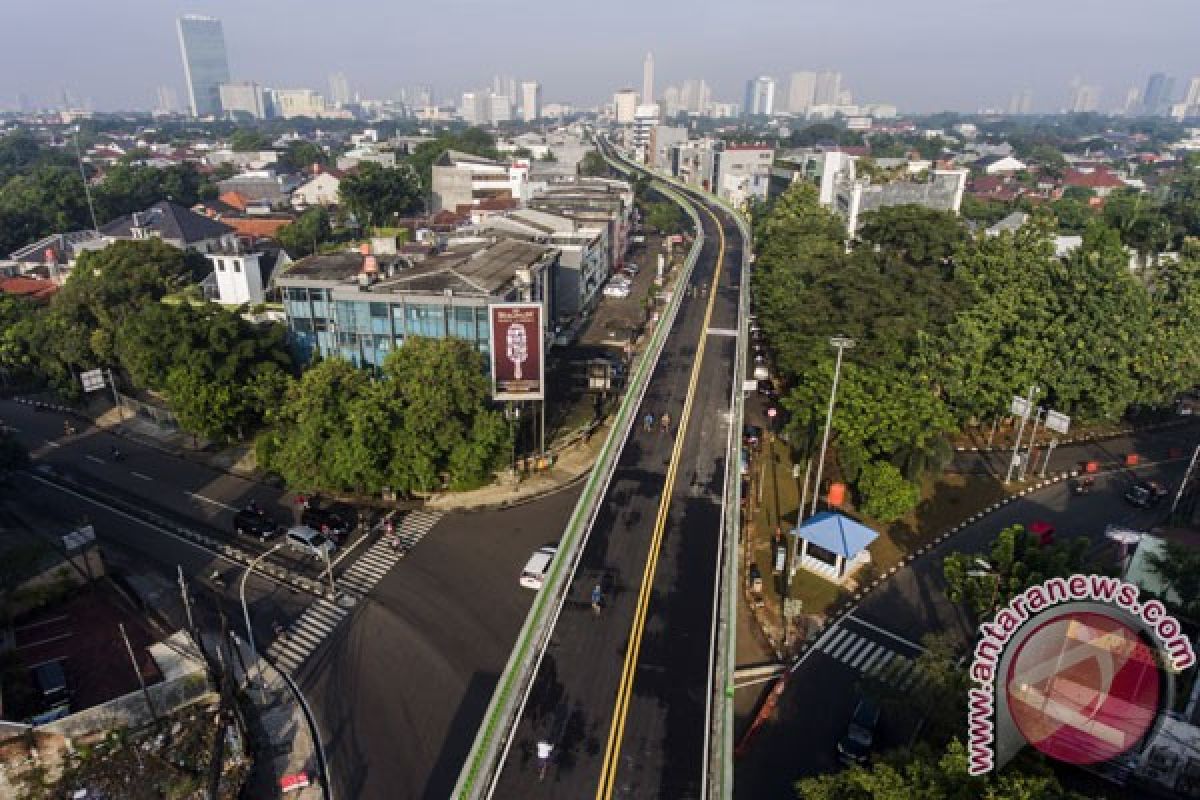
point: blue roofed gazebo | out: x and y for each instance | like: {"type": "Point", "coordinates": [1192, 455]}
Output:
{"type": "Point", "coordinates": [833, 545]}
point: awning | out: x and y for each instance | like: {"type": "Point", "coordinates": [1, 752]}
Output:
{"type": "Point", "coordinates": [836, 533]}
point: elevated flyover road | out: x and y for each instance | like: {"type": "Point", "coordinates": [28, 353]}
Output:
{"type": "Point", "coordinates": [622, 694]}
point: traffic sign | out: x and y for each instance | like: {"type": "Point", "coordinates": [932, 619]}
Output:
{"type": "Point", "coordinates": [1059, 423]}
{"type": "Point", "coordinates": [93, 380]}
{"type": "Point", "coordinates": [1019, 406]}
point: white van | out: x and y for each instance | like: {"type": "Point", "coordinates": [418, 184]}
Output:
{"type": "Point", "coordinates": [534, 574]}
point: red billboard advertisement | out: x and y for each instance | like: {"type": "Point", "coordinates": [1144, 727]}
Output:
{"type": "Point", "coordinates": [518, 360]}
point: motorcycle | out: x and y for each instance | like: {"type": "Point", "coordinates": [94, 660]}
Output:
{"type": "Point", "coordinates": [1083, 486]}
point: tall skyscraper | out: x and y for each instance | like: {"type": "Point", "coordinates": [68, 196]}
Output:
{"type": "Point", "coordinates": [625, 103]}
{"type": "Point", "coordinates": [244, 97]}
{"type": "Point", "coordinates": [801, 91]}
{"type": "Point", "coordinates": [531, 101]}
{"type": "Point", "coordinates": [648, 79]}
{"type": "Point", "coordinates": [1021, 102]}
{"type": "Point", "coordinates": [1084, 97]}
{"type": "Point", "coordinates": [1160, 88]}
{"type": "Point", "coordinates": [339, 89]}
{"type": "Point", "coordinates": [167, 100]}
{"type": "Point", "coordinates": [828, 88]}
{"type": "Point", "coordinates": [671, 103]}
{"type": "Point", "coordinates": [202, 44]}
{"type": "Point", "coordinates": [1193, 93]}
{"type": "Point", "coordinates": [760, 95]}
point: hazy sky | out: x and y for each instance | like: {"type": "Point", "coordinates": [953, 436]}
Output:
{"type": "Point", "coordinates": [921, 55]}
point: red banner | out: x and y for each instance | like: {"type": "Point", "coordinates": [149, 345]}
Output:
{"type": "Point", "coordinates": [518, 363]}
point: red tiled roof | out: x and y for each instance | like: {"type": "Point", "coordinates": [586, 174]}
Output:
{"type": "Point", "coordinates": [448, 217]}
{"type": "Point", "coordinates": [28, 287]}
{"type": "Point", "coordinates": [235, 200]}
{"type": "Point", "coordinates": [988, 183]}
{"type": "Point", "coordinates": [1096, 179]}
{"type": "Point", "coordinates": [256, 227]}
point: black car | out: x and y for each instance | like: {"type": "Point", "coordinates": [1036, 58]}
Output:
{"type": "Point", "coordinates": [254, 522]}
{"type": "Point", "coordinates": [1145, 494]}
{"type": "Point", "coordinates": [856, 745]}
{"type": "Point", "coordinates": [328, 521]}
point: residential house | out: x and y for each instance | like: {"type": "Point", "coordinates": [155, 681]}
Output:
{"type": "Point", "coordinates": [461, 179]}
{"type": "Point", "coordinates": [242, 274]}
{"type": "Point", "coordinates": [172, 223]}
{"type": "Point", "coordinates": [1000, 165]}
{"type": "Point", "coordinates": [321, 188]}
{"type": "Point", "coordinates": [1099, 179]}
{"type": "Point", "coordinates": [263, 185]}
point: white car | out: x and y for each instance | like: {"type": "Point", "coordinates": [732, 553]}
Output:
{"type": "Point", "coordinates": [616, 291]}
{"type": "Point", "coordinates": [534, 574]}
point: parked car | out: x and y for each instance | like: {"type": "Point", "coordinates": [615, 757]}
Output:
{"type": "Point", "coordinates": [534, 573]}
{"type": "Point", "coordinates": [766, 387]}
{"type": "Point", "coordinates": [616, 291]}
{"type": "Point", "coordinates": [856, 745]}
{"type": "Point", "coordinates": [252, 521]}
{"type": "Point", "coordinates": [1145, 494]}
{"type": "Point", "coordinates": [632, 269]}
{"type": "Point", "coordinates": [327, 521]}
{"type": "Point", "coordinates": [761, 373]}
{"type": "Point", "coordinates": [310, 542]}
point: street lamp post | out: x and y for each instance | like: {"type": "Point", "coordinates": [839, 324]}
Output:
{"type": "Point", "coordinates": [839, 343]}
{"type": "Point", "coordinates": [513, 412]}
{"type": "Point", "coordinates": [246, 616]}
{"type": "Point", "coordinates": [1012, 464]}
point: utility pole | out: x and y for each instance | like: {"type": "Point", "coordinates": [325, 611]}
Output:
{"type": "Point", "coordinates": [839, 343]}
{"type": "Point", "coordinates": [1033, 390]}
{"type": "Point", "coordinates": [137, 671]}
{"type": "Point", "coordinates": [1187, 476]}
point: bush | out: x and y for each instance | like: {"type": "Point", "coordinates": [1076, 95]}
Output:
{"type": "Point", "coordinates": [886, 495]}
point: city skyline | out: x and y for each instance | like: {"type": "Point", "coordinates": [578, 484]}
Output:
{"type": "Point", "coordinates": [123, 46]}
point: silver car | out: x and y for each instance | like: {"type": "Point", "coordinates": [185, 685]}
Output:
{"type": "Point", "coordinates": [307, 540]}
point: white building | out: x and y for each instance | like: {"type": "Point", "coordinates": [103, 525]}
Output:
{"type": "Point", "coordinates": [743, 172]}
{"type": "Point", "coordinates": [801, 92]}
{"type": "Point", "coordinates": [828, 89]}
{"type": "Point", "coordinates": [531, 101]}
{"type": "Point", "coordinates": [648, 79]}
{"type": "Point", "coordinates": [291, 103]}
{"type": "Point", "coordinates": [472, 108]}
{"type": "Point", "coordinates": [500, 109]}
{"type": "Point", "coordinates": [246, 97]}
{"type": "Point", "coordinates": [463, 179]}
{"type": "Point", "coordinates": [625, 103]}
{"type": "Point", "coordinates": [645, 120]}
{"type": "Point", "coordinates": [320, 190]}
{"type": "Point", "coordinates": [760, 96]}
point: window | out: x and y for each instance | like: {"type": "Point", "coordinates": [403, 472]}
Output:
{"type": "Point", "coordinates": [237, 264]}
{"type": "Point", "coordinates": [220, 262]}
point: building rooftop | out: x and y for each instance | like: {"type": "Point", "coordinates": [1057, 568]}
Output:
{"type": "Point", "coordinates": [477, 267]}
{"type": "Point", "coordinates": [169, 221]}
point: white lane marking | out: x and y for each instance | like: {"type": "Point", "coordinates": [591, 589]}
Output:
{"type": "Point", "coordinates": [53, 444]}
{"type": "Point", "coordinates": [842, 633]}
{"type": "Point", "coordinates": [141, 476]}
{"type": "Point", "coordinates": [886, 633]}
{"type": "Point", "coordinates": [859, 645]}
{"type": "Point", "coordinates": [94, 458]}
{"type": "Point", "coordinates": [849, 641]}
{"type": "Point", "coordinates": [722, 332]}
{"type": "Point", "coordinates": [869, 664]}
{"type": "Point", "coordinates": [204, 499]}
{"type": "Point", "coordinates": [881, 668]}
{"type": "Point", "coordinates": [869, 651]}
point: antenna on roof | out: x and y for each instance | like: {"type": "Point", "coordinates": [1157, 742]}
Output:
{"type": "Point", "coordinates": [87, 190]}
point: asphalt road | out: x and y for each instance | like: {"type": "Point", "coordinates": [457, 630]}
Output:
{"type": "Point", "coordinates": [400, 690]}
{"type": "Point", "coordinates": [815, 708]}
{"type": "Point", "coordinates": [572, 702]}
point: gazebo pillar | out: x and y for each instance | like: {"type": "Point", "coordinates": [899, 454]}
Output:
{"type": "Point", "coordinates": [839, 566]}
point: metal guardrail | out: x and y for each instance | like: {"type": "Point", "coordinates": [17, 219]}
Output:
{"type": "Point", "coordinates": [476, 780]}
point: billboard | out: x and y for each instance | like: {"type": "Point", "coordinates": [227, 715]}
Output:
{"type": "Point", "coordinates": [518, 357]}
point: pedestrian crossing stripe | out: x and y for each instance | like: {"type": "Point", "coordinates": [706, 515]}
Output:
{"type": "Point", "coordinates": [869, 657]}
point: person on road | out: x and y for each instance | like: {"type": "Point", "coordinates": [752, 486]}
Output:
{"type": "Point", "coordinates": [666, 422]}
{"type": "Point", "coordinates": [649, 420]}
{"type": "Point", "coordinates": [597, 600]}
{"type": "Point", "coordinates": [545, 751]}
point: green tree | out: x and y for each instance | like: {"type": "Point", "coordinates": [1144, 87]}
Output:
{"type": "Point", "coordinates": [247, 140]}
{"type": "Point", "coordinates": [307, 233]}
{"type": "Point", "coordinates": [1015, 561]}
{"type": "Point", "coordinates": [300, 155]}
{"type": "Point", "coordinates": [886, 495]}
{"type": "Point", "coordinates": [374, 193]}
{"type": "Point", "coordinates": [665, 217]}
{"type": "Point", "coordinates": [126, 189]}
{"type": "Point", "coordinates": [920, 235]}
{"type": "Point", "coordinates": [1178, 566]}
{"type": "Point", "coordinates": [924, 774]}
{"type": "Point", "coordinates": [593, 164]}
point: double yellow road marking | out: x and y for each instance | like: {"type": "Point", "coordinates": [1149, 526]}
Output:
{"type": "Point", "coordinates": [616, 732]}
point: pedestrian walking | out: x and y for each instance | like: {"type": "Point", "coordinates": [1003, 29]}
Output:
{"type": "Point", "coordinates": [597, 600]}
{"type": "Point", "coordinates": [649, 421]}
{"type": "Point", "coordinates": [666, 422]}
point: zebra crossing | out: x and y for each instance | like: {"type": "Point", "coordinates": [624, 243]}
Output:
{"type": "Point", "coordinates": [291, 649]}
{"type": "Point", "coordinates": [869, 657]}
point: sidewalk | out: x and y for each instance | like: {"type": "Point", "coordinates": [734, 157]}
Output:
{"type": "Point", "coordinates": [238, 459]}
{"type": "Point", "coordinates": [570, 464]}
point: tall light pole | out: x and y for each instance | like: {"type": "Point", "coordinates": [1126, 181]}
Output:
{"type": "Point", "coordinates": [246, 615]}
{"type": "Point", "coordinates": [839, 343]}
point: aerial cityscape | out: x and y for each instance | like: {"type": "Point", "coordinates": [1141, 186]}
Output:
{"type": "Point", "coordinates": [685, 402]}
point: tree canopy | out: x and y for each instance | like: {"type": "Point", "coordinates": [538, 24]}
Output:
{"type": "Point", "coordinates": [308, 232]}
{"type": "Point", "coordinates": [374, 194]}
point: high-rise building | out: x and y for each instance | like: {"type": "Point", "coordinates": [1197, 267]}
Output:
{"type": "Point", "coordinates": [339, 89]}
{"type": "Point", "coordinates": [671, 101]}
{"type": "Point", "coordinates": [828, 88]}
{"type": "Point", "coordinates": [1133, 101]}
{"type": "Point", "coordinates": [1160, 88]}
{"type": "Point", "coordinates": [648, 79]}
{"type": "Point", "coordinates": [1193, 93]}
{"type": "Point", "coordinates": [1084, 98]}
{"type": "Point", "coordinates": [801, 91]}
{"type": "Point", "coordinates": [760, 95]}
{"type": "Point", "coordinates": [205, 66]}
{"type": "Point", "coordinates": [625, 103]}
{"type": "Point", "coordinates": [245, 97]}
{"type": "Point", "coordinates": [289, 103]}
{"type": "Point", "coordinates": [167, 102]}
{"type": "Point", "coordinates": [1021, 102]}
{"type": "Point", "coordinates": [531, 101]}
{"type": "Point", "coordinates": [500, 108]}
{"type": "Point", "coordinates": [473, 109]}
